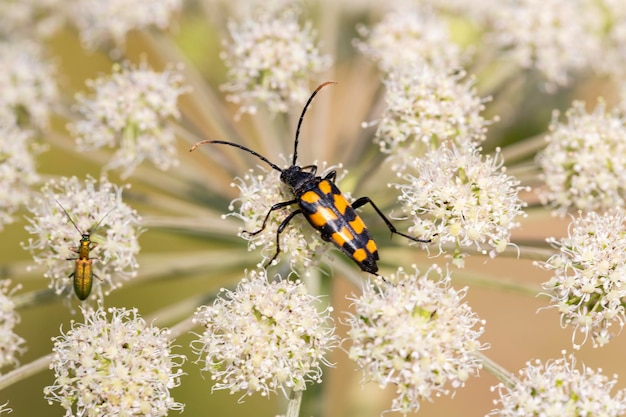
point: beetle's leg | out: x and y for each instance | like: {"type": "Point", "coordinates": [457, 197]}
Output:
{"type": "Point", "coordinates": [364, 200]}
{"type": "Point", "coordinates": [312, 168]}
{"type": "Point", "coordinates": [331, 176]}
{"type": "Point", "coordinates": [274, 207]}
{"type": "Point", "coordinates": [280, 230]}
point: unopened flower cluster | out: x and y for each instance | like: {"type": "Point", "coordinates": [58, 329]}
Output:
{"type": "Point", "coordinates": [463, 198]}
{"type": "Point", "coordinates": [89, 203]}
{"type": "Point", "coordinates": [416, 335]}
{"type": "Point", "coordinates": [130, 111]}
{"type": "Point", "coordinates": [264, 337]}
{"type": "Point", "coordinates": [584, 159]}
{"type": "Point", "coordinates": [589, 282]}
{"type": "Point", "coordinates": [270, 60]}
{"type": "Point", "coordinates": [257, 193]}
{"type": "Point", "coordinates": [558, 388]}
{"type": "Point", "coordinates": [11, 345]}
{"type": "Point", "coordinates": [114, 367]}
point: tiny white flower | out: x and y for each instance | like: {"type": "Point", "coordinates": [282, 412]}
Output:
{"type": "Point", "coordinates": [87, 203]}
{"type": "Point", "coordinates": [557, 388]}
{"type": "Point", "coordinates": [416, 335]}
{"type": "Point", "coordinates": [270, 60]}
{"type": "Point", "coordinates": [264, 336]}
{"type": "Point", "coordinates": [589, 282]}
{"type": "Point", "coordinates": [130, 111]}
{"type": "Point", "coordinates": [114, 367]}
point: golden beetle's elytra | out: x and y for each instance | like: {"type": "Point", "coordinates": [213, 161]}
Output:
{"type": "Point", "coordinates": [83, 271]}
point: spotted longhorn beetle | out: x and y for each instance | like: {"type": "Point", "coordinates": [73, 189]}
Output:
{"type": "Point", "coordinates": [323, 205]}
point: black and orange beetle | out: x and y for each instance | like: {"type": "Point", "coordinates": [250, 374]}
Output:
{"type": "Point", "coordinates": [323, 205]}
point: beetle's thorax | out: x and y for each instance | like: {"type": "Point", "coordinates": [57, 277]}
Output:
{"type": "Point", "coordinates": [299, 180]}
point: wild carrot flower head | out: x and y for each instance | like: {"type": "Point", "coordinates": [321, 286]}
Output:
{"type": "Point", "coordinates": [264, 336]}
{"type": "Point", "coordinates": [558, 388]}
{"type": "Point", "coordinates": [270, 60]}
{"type": "Point", "coordinates": [130, 111]}
{"type": "Point", "coordinates": [87, 203]}
{"type": "Point", "coordinates": [589, 282]}
{"type": "Point", "coordinates": [11, 345]}
{"type": "Point", "coordinates": [117, 366]}
{"type": "Point", "coordinates": [582, 163]}
{"type": "Point", "coordinates": [415, 334]}
{"type": "Point", "coordinates": [463, 198]}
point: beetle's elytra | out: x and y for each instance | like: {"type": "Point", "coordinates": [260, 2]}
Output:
{"type": "Point", "coordinates": [323, 205]}
{"type": "Point", "coordinates": [83, 271]}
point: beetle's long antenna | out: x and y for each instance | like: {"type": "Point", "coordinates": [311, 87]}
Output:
{"type": "Point", "coordinates": [306, 106]}
{"type": "Point", "coordinates": [89, 231]}
{"type": "Point", "coordinates": [68, 216]}
{"type": "Point", "coordinates": [93, 229]}
{"type": "Point", "coordinates": [243, 148]}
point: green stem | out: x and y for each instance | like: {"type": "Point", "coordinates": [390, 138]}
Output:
{"type": "Point", "coordinates": [497, 370]}
{"type": "Point", "coordinates": [295, 401]}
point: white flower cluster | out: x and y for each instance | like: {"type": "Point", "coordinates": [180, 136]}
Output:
{"type": "Point", "coordinates": [11, 345]}
{"type": "Point", "coordinates": [264, 336]}
{"type": "Point", "coordinates": [541, 34]}
{"type": "Point", "coordinates": [114, 367]}
{"type": "Point", "coordinates": [463, 198]}
{"type": "Point", "coordinates": [17, 168]}
{"type": "Point", "coordinates": [583, 161]}
{"type": "Point", "coordinates": [556, 389]}
{"type": "Point", "coordinates": [416, 335]}
{"type": "Point", "coordinates": [88, 203]}
{"type": "Point", "coordinates": [409, 38]}
{"type": "Point", "coordinates": [101, 22]}
{"type": "Point", "coordinates": [27, 82]}
{"type": "Point", "coordinates": [270, 60]}
{"type": "Point", "coordinates": [589, 283]}
{"type": "Point", "coordinates": [426, 108]}
{"type": "Point", "coordinates": [130, 110]}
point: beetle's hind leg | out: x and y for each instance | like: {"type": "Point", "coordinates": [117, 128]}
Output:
{"type": "Point", "coordinates": [365, 200]}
